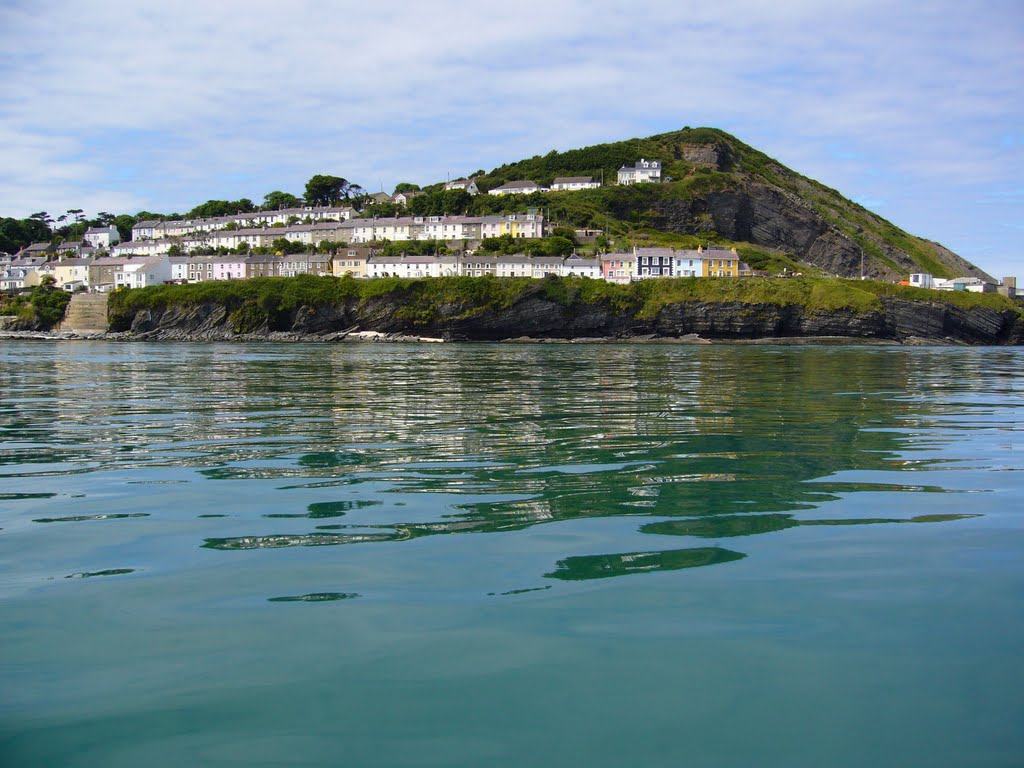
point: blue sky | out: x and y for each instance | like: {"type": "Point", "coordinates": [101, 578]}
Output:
{"type": "Point", "coordinates": [914, 109]}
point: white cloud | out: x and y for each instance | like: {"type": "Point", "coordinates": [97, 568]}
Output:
{"type": "Point", "coordinates": [163, 106]}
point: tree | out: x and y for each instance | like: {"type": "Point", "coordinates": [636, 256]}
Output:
{"type": "Point", "coordinates": [386, 210]}
{"type": "Point", "coordinates": [277, 199]}
{"type": "Point", "coordinates": [283, 245]}
{"type": "Point", "coordinates": [124, 224]}
{"type": "Point", "coordinates": [15, 234]}
{"type": "Point", "coordinates": [557, 246]}
{"type": "Point", "coordinates": [326, 190]}
{"type": "Point", "coordinates": [455, 201]}
{"type": "Point", "coordinates": [221, 208]}
{"type": "Point", "coordinates": [405, 186]}
{"type": "Point", "coordinates": [567, 232]}
{"type": "Point", "coordinates": [43, 218]}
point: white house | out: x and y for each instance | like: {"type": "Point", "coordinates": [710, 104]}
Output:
{"type": "Point", "coordinates": [13, 278]}
{"type": "Point", "coordinates": [403, 198]}
{"type": "Point", "coordinates": [102, 237]}
{"type": "Point", "coordinates": [139, 273]}
{"type": "Point", "coordinates": [143, 247]}
{"type": "Point", "coordinates": [179, 268]}
{"type": "Point", "coordinates": [571, 183]}
{"type": "Point", "coordinates": [516, 265]}
{"type": "Point", "coordinates": [518, 188]}
{"type": "Point", "coordinates": [404, 266]}
{"type": "Point", "coordinates": [642, 171]}
{"type": "Point", "coordinates": [577, 266]}
{"type": "Point", "coordinates": [467, 184]}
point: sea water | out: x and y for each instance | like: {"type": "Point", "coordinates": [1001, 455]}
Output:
{"type": "Point", "coordinates": [510, 555]}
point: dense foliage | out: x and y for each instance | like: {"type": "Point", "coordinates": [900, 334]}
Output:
{"type": "Point", "coordinates": [42, 308]}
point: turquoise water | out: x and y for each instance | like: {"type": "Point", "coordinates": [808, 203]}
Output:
{"type": "Point", "coordinates": [469, 555]}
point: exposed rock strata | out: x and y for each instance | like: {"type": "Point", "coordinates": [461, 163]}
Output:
{"type": "Point", "coordinates": [772, 217]}
{"type": "Point", "coordinates": [899, 320]}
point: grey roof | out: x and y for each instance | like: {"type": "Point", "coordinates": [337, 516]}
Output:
{"type": "Point", "coordinates": [574, 180]}
{"type": "Point", "coordinates": [639, 165]}
{"type": "Point", "coordinates": [524, 184]}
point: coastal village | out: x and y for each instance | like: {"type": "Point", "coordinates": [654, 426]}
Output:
{"type": "Point", "coordinates": [341, 241]}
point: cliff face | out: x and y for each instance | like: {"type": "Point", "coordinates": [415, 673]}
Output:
{"type": "Point", "coordinates": [535, 316]}
{"type": "Point", "coordinates": [766, 215]}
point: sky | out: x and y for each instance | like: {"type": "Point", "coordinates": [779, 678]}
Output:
{"type": "Point", "coordinates": [915, 109]}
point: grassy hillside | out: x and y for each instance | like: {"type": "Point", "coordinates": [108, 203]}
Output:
{"type": "Point", "coordinates": [626, 212]}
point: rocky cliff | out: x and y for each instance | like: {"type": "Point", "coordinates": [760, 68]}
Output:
{"type": "Point", "coordinates": [537, 315]}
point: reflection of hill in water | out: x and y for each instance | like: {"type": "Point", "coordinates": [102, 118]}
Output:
{"type": "Point", "coordinates": [504, 438]}
{"type": "Point", "coordinates": [606, 566]}
{"type": "Point", "coordinates": [723, 441]}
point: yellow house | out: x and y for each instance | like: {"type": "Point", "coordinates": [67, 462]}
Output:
{"type": "Point", "coordinates": [350, 261]}
{"type": "Point", "coordinates": [719, 262]}
{"type": "Point", "coordinates": [71, 271]}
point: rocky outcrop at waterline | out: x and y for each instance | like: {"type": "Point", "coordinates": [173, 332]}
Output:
{"type": "Point", "coordinates": [540, 312]}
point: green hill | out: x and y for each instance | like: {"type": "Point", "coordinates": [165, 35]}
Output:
{"type": "Point", "coordinates": [720, 190]}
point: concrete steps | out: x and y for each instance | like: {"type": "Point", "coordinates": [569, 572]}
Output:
{"type": "Point", "coordinates": [87, 313]}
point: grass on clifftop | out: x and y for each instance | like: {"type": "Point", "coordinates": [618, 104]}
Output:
{"type": "Point", "coordinates": [421, 302]}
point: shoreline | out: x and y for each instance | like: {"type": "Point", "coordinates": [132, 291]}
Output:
{"type": "Point", "coordinates": [376, 337]}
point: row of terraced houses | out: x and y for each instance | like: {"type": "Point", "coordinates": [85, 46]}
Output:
{"type": "Point", "coordinates": [105, 272]}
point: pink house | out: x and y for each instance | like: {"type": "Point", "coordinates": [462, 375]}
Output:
{"type": "Point", "coordinates": [618, 267]}
{"type": "Point", "coordinates": [229, 267]}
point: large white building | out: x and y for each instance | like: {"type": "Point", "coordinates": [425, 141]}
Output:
{"type": "Point", "coordinates": [642, 171]}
